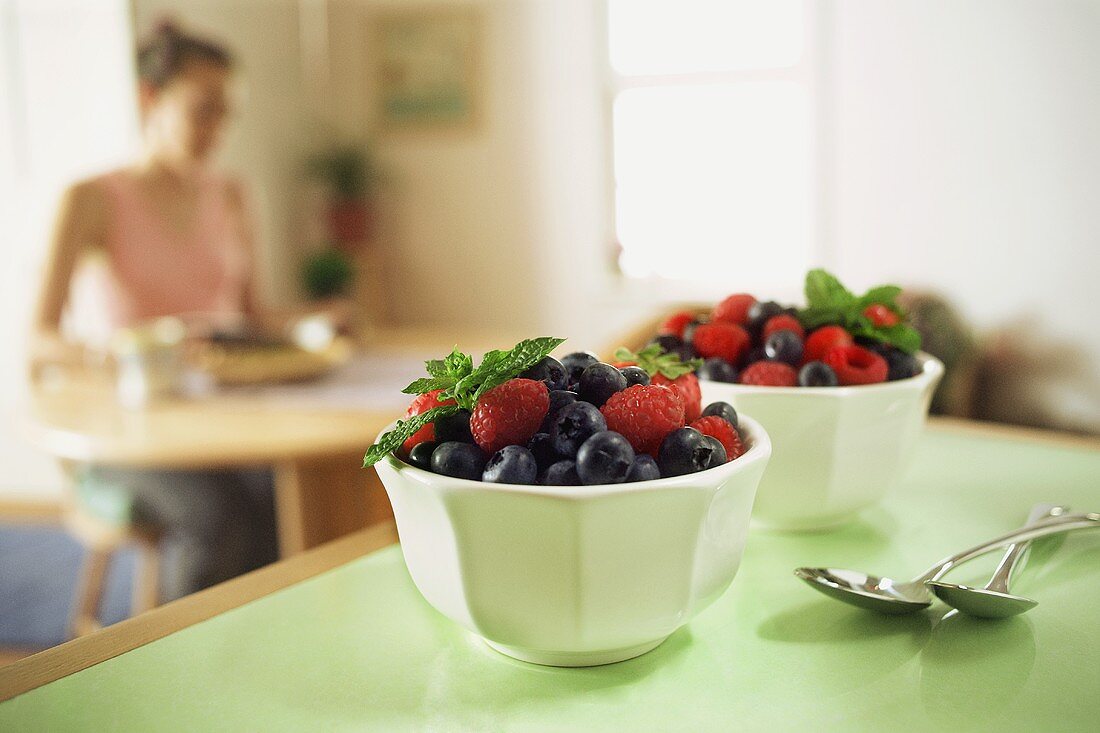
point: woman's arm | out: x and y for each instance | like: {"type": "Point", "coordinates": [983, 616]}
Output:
{"type": "Point", "coordinates": [80, 224]}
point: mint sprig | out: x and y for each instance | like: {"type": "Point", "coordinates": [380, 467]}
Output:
{"type": "Point", "coordinates": [828, 302]}
{"type": "Point", "coordinates": [463, 384]}
{"type": "Point", "coordinates": [655, 360]}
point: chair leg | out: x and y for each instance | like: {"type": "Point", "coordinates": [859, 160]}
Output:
{"type": "Point", "coordinates": [146, 577]}
{"type": "Point", "coordinates": [89, 591]}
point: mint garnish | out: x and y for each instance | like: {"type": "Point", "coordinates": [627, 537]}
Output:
{"type": "Point", "coordinates": [461, 382]}
{"type": "Point", "coordinates": [653, 359]}
{"type": "Point", "coordinates": [828, 302]}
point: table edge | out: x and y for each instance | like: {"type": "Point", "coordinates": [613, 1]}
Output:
{"type": "Point", "coordinates": [81, 653]}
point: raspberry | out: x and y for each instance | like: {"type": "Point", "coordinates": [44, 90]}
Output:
{"type": "Point", "coordinates": [770, 374]}
{"type": "Point", "coordinates": [509, 414]}
{"type": "Point", "coordinates": [881, 316]}
{"type": "Point", "coordinates": [727, 340]}
{"type": "Point", "coordinates": [782, 322]}
{"type": "Point", "coordinates": [856, 365]}
{"type": "Point", "coordinates": [422, 404]}
{"type": "Point", "coordinates": [675, 323]}
{"type": "Point", "coordinates": [823, 339]}
{"type": "Point", "coordinates": [721, 430]}
{"type": "Point", "coordinates": [644, 415]}
{"type": "Point", "coordinates": [687, 386]}
{"type": "Point", "coordinates": [734, 309]}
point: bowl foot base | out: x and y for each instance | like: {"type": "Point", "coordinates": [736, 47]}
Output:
{"type": "Point", "coordinates": [574, 659]}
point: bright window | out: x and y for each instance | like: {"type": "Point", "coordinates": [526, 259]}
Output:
{"type": "Point", "coordinates": [711, 127]}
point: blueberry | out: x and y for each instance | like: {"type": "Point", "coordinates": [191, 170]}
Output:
{"type": "Point", "coordinates": [718, 451]}
{"type": "Point", "coordinates": [900, 365]}
{"type": "Point", "coordinates": [576, 363]}
{"type": "Point", "coordinates": [689, 331]}
{"type": "Point", "coordinates": [668, 341]}
{"type": "Point", "coordinates": [562, 473]}
{"type": "Point", "coordinates": [550, 372]}
{"type": "Point", "coordinates": [686, 352]}
{"type": "Point", "coordinates": [684, 451]}
{"type": "Point", "coordinates": [542, 447]}
{"type": "Point", "coordinates": [784, 345]}
{"type": "Point", "coordinates": [723, 410]}
{"type": "Point", "coordinates": [817, 374]}
{"type": "Point", "coordinates": [754, 355]}
{"type": "Point", "coordinates": [635, 375]}
{"type": "Point", "coordinates": [454, 427]}
{"type": "Point", "coordinates": [760, 312]}
{"type": "Point", "coordinates": [461, 460]}
{"type": "Point", "coordinates": [717, 369]}
{"type": "Point", "coordinates": [599, 381]}
{"type": "Point", "coordinates": [512, 464]}
{"type": "Point", "coordinates": [559, 398]}
{"type": "Point", "coordinates": [644, 468]}
{"type": "Point", "coordinates": [573, 425]}
{"type": "Point", "coordinates": [421, 454]}
{"type": "Point", "coordinates": [604, 458]}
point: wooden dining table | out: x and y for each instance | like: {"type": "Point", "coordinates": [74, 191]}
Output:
{"type": "Point", "coordinates": [313, 434]}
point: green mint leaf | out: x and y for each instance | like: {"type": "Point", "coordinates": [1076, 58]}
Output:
{"type": "Point", "coordinates": [392, 440]}
{"type": "Point", "coordinates": [815, 317]}
{"type": "Point", "coordinates": [428, 384]}
{"type": "Point", "coordinates": [823, 290]}
{"type": "Point", "coordinates": [436, 368]}
{"type": "Point", "coordinates": [458, 364]}
{"type": "Point", "coordinates": [511, 363]}
{"type": "Point", "coordinates": [885, 294]}
{"type": "Point", "coordinates": [655, 360]}
{"type": "Point", "coordinates": [900, 336]}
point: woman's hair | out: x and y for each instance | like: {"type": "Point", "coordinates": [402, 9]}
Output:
{"type": "Point", "coordinates": [162, 56]}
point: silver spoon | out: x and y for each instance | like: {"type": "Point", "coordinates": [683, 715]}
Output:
{"type": "Point", "coordinates": [889, 596]}
{"type": "Point", "coordinates": [994, 600]}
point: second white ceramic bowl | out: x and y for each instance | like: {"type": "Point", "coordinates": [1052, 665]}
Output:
{"type": "Point", "coordinates": [575, 575]}
{"type": "Point", "coordinates": [837, 450]}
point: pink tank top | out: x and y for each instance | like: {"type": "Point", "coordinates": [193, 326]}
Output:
{"type": "Point", "coordinates": [153, 270]}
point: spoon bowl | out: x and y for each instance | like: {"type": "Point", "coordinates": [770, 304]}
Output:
{"type": "Point", "coordinates": [866, 591]}
{"type": "Point", "coordinates": [981, 602]}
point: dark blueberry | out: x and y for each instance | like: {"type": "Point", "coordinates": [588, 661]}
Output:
{"type": "Point", "coordinates": [550, 372]}
{"type": "Point", "coordinates": [562, 473]}
{"type": "Point", "coordinates": [461, 460]}
{"type": "Point", "coordinates": [686, 352]}
{"type": "Point", "coordinates": [717, 369]}
{"type": "Point", "coordinates": [421, 454]}
{"type": "Point", "coordinates": [573, 425]}
{"type": "Point", "coordinates": [718, 451]}
{"type": "Point", "coordinates": [543, 449]}
{"type": "Point", "coordinates": [754, 355]}
{"type": "Point", "coordinates": [454, 427]}
{"type": "Point", "coordinates": [900, 365]}
{"type": "Point", "coordinates": [723, 410]}
{"type": "Point", "coordinates": [668, 341]}
{"type": "Point", "coordinates": [689, 331]}
{"type": "Point", "coordinates": [599, 381]}
{"type": "Point", "coordinates": [604, 459]}
{"type": "Point", "coordinates": [576, 363]}
{"type": "Point", "coordinates": [760, 312]}
{"type": "Point", "coordinates": [635, 375]}
{"type": "Point", "coordinates": [683, 451]}
{"type": "Point", "coordinates": [559, 398]}
{"type": "Point", "coordinates": [785, 346]}
{"type": "Point", "coordinates": [512, 464]}
{"type": "Point", "coordinates": [644, 468]}
{"type": "Point", "coordinates": [817, 374]}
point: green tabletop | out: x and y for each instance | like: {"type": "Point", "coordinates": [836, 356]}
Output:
{"type": "Point", "coordinates": [356, 648]}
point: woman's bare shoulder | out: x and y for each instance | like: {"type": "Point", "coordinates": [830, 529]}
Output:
{"type": "Point", "coordinates": [85, 204]}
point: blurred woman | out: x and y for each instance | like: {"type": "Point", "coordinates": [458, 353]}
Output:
{"type": "Point", "coordinates": [171, 237]}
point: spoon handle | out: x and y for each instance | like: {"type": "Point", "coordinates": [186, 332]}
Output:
{"type": "Point", "coordinates": [1065, 523]}
{"type": "Point", "coordinates": [1013, 559]}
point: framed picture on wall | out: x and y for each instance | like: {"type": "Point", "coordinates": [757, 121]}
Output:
{"type": "Point", "coordinates": [425, 67]}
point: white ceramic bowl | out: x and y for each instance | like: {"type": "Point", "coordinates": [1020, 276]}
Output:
{"type": "Point", "coordinates": [837, 450]}
{"type": "Point", "coordinates": [575, 576]}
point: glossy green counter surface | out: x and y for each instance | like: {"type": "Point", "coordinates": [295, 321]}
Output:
{"type": "Point", "coordinates": [358, 649]}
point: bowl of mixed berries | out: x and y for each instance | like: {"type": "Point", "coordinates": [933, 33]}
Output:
{"type": "Point", "coordinates": [840, 385]}
{"type": "Point", "coordinates": [570, 512]}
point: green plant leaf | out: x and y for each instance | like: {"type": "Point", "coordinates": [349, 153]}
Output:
{"type": "Point", "coordinates": [392, 440]}
{"type": "Point", "coordinates": [655, 360]}
{"type": "Point", "coordinates": [885, 294]}
{"type": "Point", "coordinates": [428, 384]}
{"type": "Point", "coordinates": [824, 290]}
{"type": "Point", "coordinates": [519, 358]}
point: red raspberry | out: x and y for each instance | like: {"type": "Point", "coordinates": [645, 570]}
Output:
{"type": "Point", "coordinates": [782, 322]}
{"type": "Point", "coordinates": [675, 323]}
{"type": "Point", "coordinates": [881, 316]}
{"type": "Point", "coordinates": [727, 340]}
{"type": "Point", "coordinates": [725, 433]}
{"type": "Point", "coordinates": [509, 414]}
{"type": "Point", "coordinates": [770, 374]}
{"type": "Point", "coordinates": [422, 404]}
{"type": "Point", "coordinates": [687, 386]}
{"type": "Point", "coordinates": [823, 339]}
{"type": "Point", "coordinates": [734, 309]}
{"type": "Point", "coordinates": [856, 365]}
{"type": "Point", "coordinates": [644, 415]}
